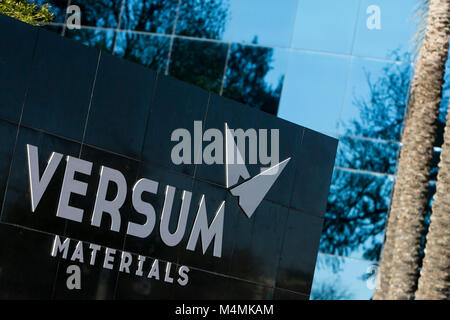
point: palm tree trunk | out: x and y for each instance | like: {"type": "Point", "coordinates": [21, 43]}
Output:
{"type": "Point", "coordinates": [409, 200]}
{"type": "Point", "coordinates": [384, 273]}
{"type": "Point", "coordinates": [434, 281]}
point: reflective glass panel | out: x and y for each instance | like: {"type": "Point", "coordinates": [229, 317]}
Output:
{"type": "Point", "coordinates": [313, 90]}
{"type": "Point", "coordinates": [8, 132]}
{"type": "Point", "coordinates": [356, 214]}
{"type": "Point", "coordinates": [367, 155]}
{"type": "Point", "coordinates": [146, 49]}
{"type": "Point", "coordinates": [200, 63]}
{"type": "Point", "coordinates": [209, 19]}
{"type": "Point", "coordinates": [265, 22]}
{"type": "Point", "coordinates": [98, 38]}
{"type": "Point", "coordinates": [385, 26]}
{"type": "Point", "coordinates": [99, 13]}
{"type": "Point", "coordinates": [325, 25]}
{"type": "Point", "coordinates": [339, 278]}
{"type": "Point", "coordinates": [157, 16]}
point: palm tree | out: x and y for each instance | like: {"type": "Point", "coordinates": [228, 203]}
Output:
{"type": "Point", "coordinates": [401, 256]}
{"type": "Point", "coordinates": [27, 12]}
{"type": "Point", "coordinates": [434, 281]}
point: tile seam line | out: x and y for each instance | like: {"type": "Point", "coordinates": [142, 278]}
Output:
{"type": "Point", "coordinates": [222, 83]}
{"type": "Point", "coordinates": [172, 35]}
{"type": "Point", "coordinates": [64, 25]}
{"type": "Point", "coordinates": [100, 149]}
{"type": "Point", "coordinates": [204, 123]}
{"type": "Point", "coordinates": [81, 150]}
{"type": "Point", "coordinates": [297, 8]}
{"type": "Point", "coordinates": [304, 50]}
{"type": "Point", "coordinates": [372, 173]}
{"type": "Point", "coordinates": [297, 153]}
{"type": "Point", "coordinates": [94, 82]}
{"type": "Point", "coordinates": [149, 114]}
{"type": "Point", "coordinates": [116, 30]}
{"type": "Point", "coordinates": [24, 101]}
{"type": "Point", "coordinates": [347, 257]}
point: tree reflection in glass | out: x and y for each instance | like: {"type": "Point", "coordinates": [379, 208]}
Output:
{"type": "Point", "coordinates": [245, 81]}
{"type": "Point", "coordinates": [149, 50]}
{"type": "Point", "coordinates": [358, 203]}
{"type": "Point", "coordinates": [156, 16]}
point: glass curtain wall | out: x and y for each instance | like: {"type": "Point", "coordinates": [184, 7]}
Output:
{"type": "Point", "coordinates": [339, 67]}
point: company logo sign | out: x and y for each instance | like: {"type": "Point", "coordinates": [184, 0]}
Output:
{"type": "Point", "coordinates": [249, 190]}
{"type": "Point", "coordinates": [233, 143]}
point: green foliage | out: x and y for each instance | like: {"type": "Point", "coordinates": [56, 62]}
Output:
{"type": "Point", "coordinates": [421, 18]}
{"type": "Point", "coordinates": [27, 12]}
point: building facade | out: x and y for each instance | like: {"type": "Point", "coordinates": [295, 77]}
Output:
{"type": "Point", "coordinates": [123, 183]}
{"type": "Point", "coordinates": [342, 68]}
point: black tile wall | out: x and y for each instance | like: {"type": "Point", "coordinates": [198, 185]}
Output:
{"type": "Point", "coordinates": [176, 111]}
{"type": "Point", "coordinates": [299, 252]}
{"type": "Point", "coordinates": [221, 110]}
{"type": "Point", "coordinates": [102, 39]}
{"type": "Point", "coordinates": [258, 243]}
{"type": "Point", "coordinates": [103, 13]}
{"type": "Point", "coordinates": [120, 106]}
{"type": "Point", "coordinates": [198, 62]}
{"type": "Point", "coordinates": [17, 44]}
{"type": "Point", "coordinates": [17, 203]}
{"type": "Point", "coordinates": [96, 282]}
{"type": "Point", "coordinates": [280, 294]}
{"type": "Point", "coordinates": [243, 290]}
{"type": "Point", "coordinates": [8, 132]}
{"type": "Point", "coordinates": [153, 245]}
{"type": "Point", "coordinates": [63, 72]}
{"type": "Point", "coordinates": [198, 280]}
{"type": "Point", "coordinates": [27, 268]}
{"type": "Point", "coordinates": [214, 196]}
{"type": "Point", "coordinates": [313, 172]}
{"type": "Point", "coordinates": [54, 28]}
{"type": "Point", "coordinates": [140, 287]}
{"type": "Point", "coordinates": [114, 113]}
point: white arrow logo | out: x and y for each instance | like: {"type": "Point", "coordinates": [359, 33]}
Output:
{"type": "Point", "coordinates": [252, 191]}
